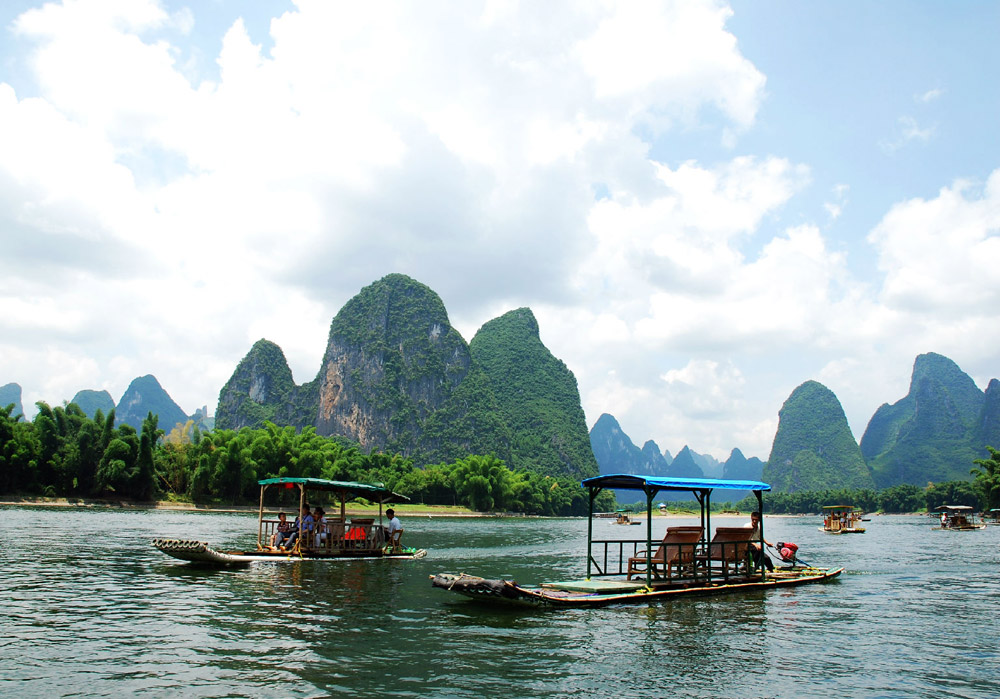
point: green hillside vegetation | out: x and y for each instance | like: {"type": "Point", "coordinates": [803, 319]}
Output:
{"type": "Point", "coordinates": [931, 434]}
{"type": "Point", "coordinates": [92, 401]}
{"type": "Point", "coordinates": [813, 448]}
{"type": "Point", "coordinates": [143, 396]}
{"type": "Point", "coordinates": [260, 390]}
{"type": "Point", "coordinates": [63, 453]}
{"type": "Point", "coordinates": [537, 395]}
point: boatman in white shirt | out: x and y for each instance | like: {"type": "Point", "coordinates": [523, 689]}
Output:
{"type": "Point", "coordinates": [394, 526]}
{"type": "Point", "coordinates": [759, 555]}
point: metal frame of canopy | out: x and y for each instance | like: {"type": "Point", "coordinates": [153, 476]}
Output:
{"type": "Point", "coordinates": [650, 485]}
{"type": "Point", "coordinates": [347, 490]}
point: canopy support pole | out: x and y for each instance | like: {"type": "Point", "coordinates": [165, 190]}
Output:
{"type": "Point", "coordinates": [260, 518]}
{"type": "Point", "coordinates": [592, 493]}
{"type": "Point", "coordinates": [760, 513]}
{"type": "Point", "coordinates": [650, 494]}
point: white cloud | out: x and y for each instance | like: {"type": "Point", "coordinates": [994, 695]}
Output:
{"type": "Point", "coordinates": [929, 96]}
{"type": "Point", "coordinates": [153, 221]}
{"type": "Point", "coordinates": [939, 255]}
{"type": "Point", "coordinates": [907, 132]}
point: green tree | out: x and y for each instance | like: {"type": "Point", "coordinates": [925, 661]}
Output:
{"type": "Point", "coordinates": [987, 478]}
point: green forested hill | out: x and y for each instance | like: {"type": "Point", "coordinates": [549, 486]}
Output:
{"type": "Point", "coordinates": [537, 395]}
{"type": "Point", "coordinates": [143, 396]}
{"type": "Point", "coordinates": [92, 401]}
{"type": "Point", "coordinates": [392, 361]}
{"type": "Point", "coordinates": [931, 435]}
{"type": "Point", "coordinates": [261, 389]}
{"type": "Point", "coordinates": [813, 448]}
{"type": "Point", "coordinates": [396, 377]}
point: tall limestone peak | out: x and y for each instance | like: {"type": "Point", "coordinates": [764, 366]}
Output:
{"type": "Point", "coordinates": [685, 465]}
{"type": "Point", "coordinates": [813, 448]}
{"type": "Point", "coordinates": [989, 418]}
{"type": "Point", "coordinates": [653, 459]}
{"type": "Point", "coordinates": [930, 435]}
{"type": "Point", "coordinates": [613, 449]}
{"type": "Point", "coordinates": [92, 401]}
{"type": "Point", "coordinates": [261, 389]}
{"type": "Point", "coordinates": [145, 395]}
{"type": "Point", "coordinates": [391, 360]}
{"type": "Point", "coordinates": [11, 393]}
{"type": "Point", "coordinates": [537, 394]}
{"type": "Point", "coordinates": [739, 468]}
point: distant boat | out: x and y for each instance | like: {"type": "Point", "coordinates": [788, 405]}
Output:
{"type": "Point", "coordinates": [958, 518]}
{"type": "Point", "coordinates": [841, 519]}
{"type": "Point", "coordinates": [625, 518]}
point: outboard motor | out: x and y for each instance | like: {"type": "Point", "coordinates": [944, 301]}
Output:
{"type": "Point", "coordinates": [787, 551]}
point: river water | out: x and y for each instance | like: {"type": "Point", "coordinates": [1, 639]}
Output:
{"type": "Point", "coordinates": [91, 610]}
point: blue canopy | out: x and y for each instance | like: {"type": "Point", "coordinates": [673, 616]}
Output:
{"type": "Point", "coordinates": [624, 481]}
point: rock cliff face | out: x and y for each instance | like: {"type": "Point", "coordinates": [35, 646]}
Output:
{"type": "Point", "coordinates": [932, 434]}
{"type": "Point", "coordinates": [391, 361]}
{"type": "Point", "coordinates": [397, 377]}
{"type": "Point", "coordinates": [261, 389]}
{"type": "Point", "coordinates": [813, 448]}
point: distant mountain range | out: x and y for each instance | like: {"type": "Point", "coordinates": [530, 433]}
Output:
{"type": "Point", "coordinates": [144, 395]}
{"type": "Point", "coordinates": [397, 377]}
{"type": "Point", "coordinates": [931, 435]}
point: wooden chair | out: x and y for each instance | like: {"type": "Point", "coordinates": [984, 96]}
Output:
{"type": "Point", "coordinates": [394, 539]}
{"type": "Point", "coordinates": [675, 551]}
{"type": "Point", "coordinates": [730, 550]}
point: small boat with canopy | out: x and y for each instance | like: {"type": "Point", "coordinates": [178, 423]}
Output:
{"type": "Point", "coordinates": [684, 562]}
{"type": "Point", "coordinates": [958, 518]}
{"type": "Point", "coordinates": [337, 538]}
{"type": "Point", "coordinates": [841, 519]}
{"type": "Point", "coordinates": [625, 517]}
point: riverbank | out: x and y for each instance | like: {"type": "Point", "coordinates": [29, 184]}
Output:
{"type": "Point", "coordinates": [170, 505]}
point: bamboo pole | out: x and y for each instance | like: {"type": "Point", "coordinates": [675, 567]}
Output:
{"type": "Point", "coordinates": [260, 518]}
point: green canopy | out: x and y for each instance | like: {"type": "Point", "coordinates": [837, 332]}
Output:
{"type": "Point", "coordinates": [350, 489]}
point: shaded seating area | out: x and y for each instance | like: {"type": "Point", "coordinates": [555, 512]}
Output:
{"type": "Point", "coordinates": [729, 552]}
{"type": "Point", "coordinates": [675, 552]}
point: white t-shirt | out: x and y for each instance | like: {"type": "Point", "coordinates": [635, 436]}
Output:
{"type": "Point", "coordinates": [394, 525]}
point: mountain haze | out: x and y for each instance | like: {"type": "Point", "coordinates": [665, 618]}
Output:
{"type": "Point", "coordinates": [145, 395]}
{"type": "Point", "coordinates": [11, 393]}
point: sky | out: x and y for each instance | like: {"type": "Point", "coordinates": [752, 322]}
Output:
{"type": "Point", "coordinates": [705, 204]}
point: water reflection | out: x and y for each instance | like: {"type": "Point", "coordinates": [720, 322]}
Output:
{"type": "Point", "coordinates": [92, 609]}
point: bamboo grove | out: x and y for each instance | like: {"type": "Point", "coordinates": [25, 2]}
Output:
{"type": "Point", "coordinates": [64, 453]}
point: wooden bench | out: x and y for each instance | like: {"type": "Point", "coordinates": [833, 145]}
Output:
{"type": "Point", "coordinates": [675, 551]}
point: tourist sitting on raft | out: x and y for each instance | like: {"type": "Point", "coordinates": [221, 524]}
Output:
{"type": "Point", "coordinates": [303, 527]}
{"type": "Point", "coordinates": [282, 532]}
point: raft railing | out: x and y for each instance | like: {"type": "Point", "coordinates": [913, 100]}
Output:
{"type": "Point", "coordinates": [356, 535]}
{"type": "Point", "coordinates": [731, 557]}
